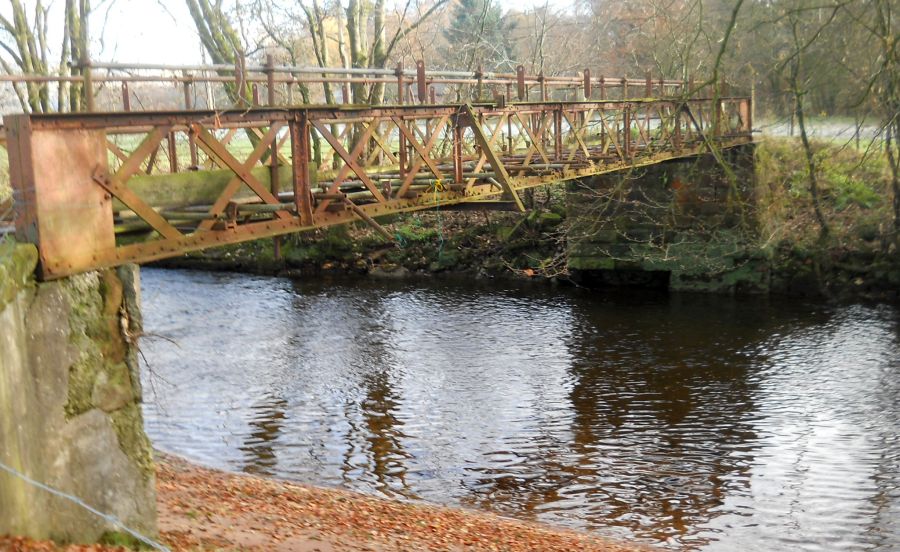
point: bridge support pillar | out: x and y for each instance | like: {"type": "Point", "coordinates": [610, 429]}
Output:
{"type": "Point", "coordinates": [685, 224]}
{"type": "Point", "coordinates": [70, 393]}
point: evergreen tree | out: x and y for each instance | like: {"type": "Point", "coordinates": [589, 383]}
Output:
{"type": "Point", "coordinates": [478, 36]}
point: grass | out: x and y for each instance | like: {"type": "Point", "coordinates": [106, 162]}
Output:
{"type": "Point", "coordinates": [854, 190]}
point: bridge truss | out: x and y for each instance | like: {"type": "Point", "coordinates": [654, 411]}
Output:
{"type": "Point", "coordinates": [101, 189]}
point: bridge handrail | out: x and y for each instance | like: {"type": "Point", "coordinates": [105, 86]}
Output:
{"type": "Point", "coordinates": [405, 85]}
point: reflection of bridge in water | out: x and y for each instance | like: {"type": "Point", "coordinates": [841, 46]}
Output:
{"type": "Point", "coordinates": [101, 189]}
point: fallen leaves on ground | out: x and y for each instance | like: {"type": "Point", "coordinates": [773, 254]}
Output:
{"type": "Point", "coordinates": [204, 509]}
{"type": "Point", "coordinates": [22, 544]}
{"type": "Point", "coordinates": [223, 509]}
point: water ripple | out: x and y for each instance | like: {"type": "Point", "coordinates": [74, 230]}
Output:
{"type": "Point", "coordinates": [685, 421]}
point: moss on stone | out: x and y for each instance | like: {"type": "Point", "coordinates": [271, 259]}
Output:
{"type": "Point", "coordinates": [100, 377]}
{"type": "Point", "coordinates": [87, 330]}
{"type": "Point", "coordinates": [112, 388]}
{"type": "Point", "coordinates": [17, 264]}
{"type": "Point", "coordinates": [118, 538]}
{"type": "Point", "coordinates": [128, 423]}
{"type": "Point", "coordinates": [591, 263]}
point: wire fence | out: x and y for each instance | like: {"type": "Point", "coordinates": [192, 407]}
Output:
{"type": "Point", "coordinates": [114, 521]}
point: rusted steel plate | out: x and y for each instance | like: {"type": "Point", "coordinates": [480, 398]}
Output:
{"type": "Point", "coordinates": [63, 211]}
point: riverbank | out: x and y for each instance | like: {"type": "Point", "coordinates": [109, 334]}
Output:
{"type": "Point", "coordinates": [488, 244]}
{"type": "Point", "coordinates": [859, 258]}
{"type": "Point", "coordinates": [206, 509]}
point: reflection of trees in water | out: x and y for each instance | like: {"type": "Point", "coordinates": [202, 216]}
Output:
{"type": "Point", "coordinates": [660, 428]}
{"type": "Point", "coordinates": [266, 427]}
{"type": "Point", "coordinates": [373, 419]}
{"type": "Point", "coordinates": [884, 524]}
{"type": "Point", "coordinates": [344, 333]}
{"type": "Point", "coordinates": [384, 436]}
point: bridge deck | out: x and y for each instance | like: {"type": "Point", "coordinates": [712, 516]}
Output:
{"type": "Point", "coordinates": [97, 190]}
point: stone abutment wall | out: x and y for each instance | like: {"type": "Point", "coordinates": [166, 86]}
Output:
{"type": "Point", "coordinates": [685, 224]}
{"type": "Point", "coordinates": [70, 398]}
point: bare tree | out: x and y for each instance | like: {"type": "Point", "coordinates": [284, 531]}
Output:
{"type": "Point", "coordinates": [878, 23]}
{"type": "Point", "coordinates": [222, 42]}
{"type": "Point", "coordinates": [798, 89]}
{"type": "Point", "coordinates": [24, 39]}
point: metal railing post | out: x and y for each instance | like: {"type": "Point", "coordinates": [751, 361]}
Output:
{"type": "Point", "coordinates": [421, 85]}
{"type": "Point", "coordinates": [399, 72]}
{"type": "Point", "coordinates": [88, 79]}
{"type": "Point", "coordinates": [587, 84]}
{"type": "Point", "coordinates": [126, 97]}
{"type": "Point", "coordinates": [270, 79]}
{"type": "Point", "coordinates": [520, 83]}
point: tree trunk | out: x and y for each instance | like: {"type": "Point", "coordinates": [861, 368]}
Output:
{"type": "Point", "coordinates": [379, 52]}
{"type": "Point", "coordinates": [221, 42]}
{"type": "Point", "coordinates": [807, 149]}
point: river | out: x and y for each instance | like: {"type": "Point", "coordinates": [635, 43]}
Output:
{"type": "Point", "coordinates": [685, 421]}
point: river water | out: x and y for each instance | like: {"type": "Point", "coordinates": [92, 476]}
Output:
{"type": "Point", "coordinates": [685, 421]}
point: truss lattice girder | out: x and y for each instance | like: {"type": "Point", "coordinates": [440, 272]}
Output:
{"type": "Point", "coordinates": [100, 190]}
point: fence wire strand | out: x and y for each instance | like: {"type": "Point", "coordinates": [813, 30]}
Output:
{"type": "Point", "coordinates": [74, 499]}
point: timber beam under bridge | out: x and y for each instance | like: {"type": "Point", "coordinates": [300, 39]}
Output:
{"type": "Point", "coordinates": [102, 189]}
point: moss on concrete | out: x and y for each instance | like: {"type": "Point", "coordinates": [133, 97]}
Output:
{"type": "Point", "coordinates": [122, 539]}
{"type": "Point", "coordinates": [683, 217]}
{"type": "Point", "coordinates": [74, 418]}
{"type": "Point", "coordinates": [88, 331]}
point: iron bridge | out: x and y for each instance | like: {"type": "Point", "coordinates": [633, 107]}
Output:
{"type": "Point", "coordinates": [97, 190]}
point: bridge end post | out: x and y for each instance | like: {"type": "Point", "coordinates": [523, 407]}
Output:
{"type": "Point", "coordinates": [65, 214]}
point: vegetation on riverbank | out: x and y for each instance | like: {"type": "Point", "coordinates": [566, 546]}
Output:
{"type": "Point", "coordinates": [482, 243]}
{"type": "Point", "coordinates": [859, 255]}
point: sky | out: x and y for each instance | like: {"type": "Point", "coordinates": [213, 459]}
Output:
{"type": "Point", "coordinates": [161, 31]}
{"type": "Point", "coordinates": [148, 31]}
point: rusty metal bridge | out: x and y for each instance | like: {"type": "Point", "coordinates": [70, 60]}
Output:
{"type": "Point", "coordinates": [100, 189]}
